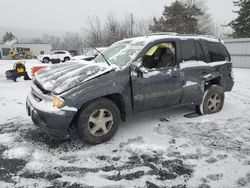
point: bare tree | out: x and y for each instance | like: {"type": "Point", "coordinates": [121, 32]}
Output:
{"type": "Point", "coordinates": [72, 41]}
{"type": "Point", "coordinates": [55, 41]}
{"type": "Point", "coordinates": [114, 29]}
{"type": "Point", "coordinates": [111, 29]}
{"type": "Point", "coordinates": [94, 31]}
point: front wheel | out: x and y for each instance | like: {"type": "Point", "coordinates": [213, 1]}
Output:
{"type": "Point", "coordinates": [213, 100]}
{"type": "Point", "coordinates": [98, 121]}
{"type": "Point", "coordinates": [46, 60]}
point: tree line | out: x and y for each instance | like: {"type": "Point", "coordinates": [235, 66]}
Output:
{"type": "Point", "coordinates": [182, 16]}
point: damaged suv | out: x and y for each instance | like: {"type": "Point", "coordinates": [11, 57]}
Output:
{"type": "Point", "coordinates": [132, 75]}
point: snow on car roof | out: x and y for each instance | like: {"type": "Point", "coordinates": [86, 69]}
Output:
{"type": "Point", "coordinates": [154, 37]}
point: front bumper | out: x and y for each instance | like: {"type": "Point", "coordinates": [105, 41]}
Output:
{"type": "Point", "coordinates": [55, 122]}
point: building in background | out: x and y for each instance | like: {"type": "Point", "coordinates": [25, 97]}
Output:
{"type": "Point", "coordinates": [240, 52]}
{"type": "Point", "coordinates": [35, 48]}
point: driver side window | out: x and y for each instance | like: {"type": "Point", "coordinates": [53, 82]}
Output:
{"type": "Point", "coordinates": [161, 55]}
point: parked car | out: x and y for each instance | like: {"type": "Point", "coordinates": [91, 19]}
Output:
{"type": "Point", "coordinates": [55, 57]}
{"type": "Point", "coordinates": [92, 54]}
{"type": "Point", "coordinates": [144, 73]}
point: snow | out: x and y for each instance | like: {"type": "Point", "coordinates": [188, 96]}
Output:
{"type": "Point", "coordinates": [79, 57]}
{"type": "Point", "coordinates": [19, 152]}
{"type": "Point", "coordinates": [59, 78]}
{"type": "Point", "coordinates": [190, 64]}
{"type": "Point", "coordinates": [215, 148]}
{"type": "Point", "coordinates": [151, 38]}
{"type": "Point", "coordinates": [190, 83]}
{"type": "Point", "coordinates": [6, 138]}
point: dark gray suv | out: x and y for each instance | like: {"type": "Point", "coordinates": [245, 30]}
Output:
{"type": "Point", "coordinates": [132, 75]}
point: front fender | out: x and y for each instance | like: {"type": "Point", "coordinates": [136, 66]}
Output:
{"type": "Point", "coordinates": [79, 96]}
{"type": "Point", "coordinates": [102, 92]}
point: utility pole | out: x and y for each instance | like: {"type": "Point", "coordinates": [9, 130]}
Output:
{"type": "Point", "coordinates": [131, 24]}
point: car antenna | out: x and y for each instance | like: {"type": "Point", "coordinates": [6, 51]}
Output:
{"type": "Point", "coordinates": [99, 53]}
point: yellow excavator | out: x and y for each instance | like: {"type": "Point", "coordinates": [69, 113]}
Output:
{"type": "Point", "coordinates": [20, 53]}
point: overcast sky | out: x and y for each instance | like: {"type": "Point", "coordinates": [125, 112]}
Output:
{"type": "Point", "coordinates": [70, 15]}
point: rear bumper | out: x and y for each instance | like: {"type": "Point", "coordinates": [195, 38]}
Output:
{"type": "Point", "coordinates": [55, 122]}
{"type": "Point", "coordinates": [228, 84]}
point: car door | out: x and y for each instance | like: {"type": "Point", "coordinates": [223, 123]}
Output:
{"type": "Point", "coordinates": [194, 69]}
{"type": "Point", "coordinates": [61, 55]}
{"type": "Point", "coordinates": [155, 87]}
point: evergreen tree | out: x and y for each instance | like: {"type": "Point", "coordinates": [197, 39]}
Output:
{"type": "Point", "coordinates": [178, 17]}
{"type": "Point", "coordinates": [241, 24]}
{"type": "Point", "coordinates": [8, 37]}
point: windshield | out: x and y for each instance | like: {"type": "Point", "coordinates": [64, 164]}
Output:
{"type": "Point", "coordinates": [121, 53]}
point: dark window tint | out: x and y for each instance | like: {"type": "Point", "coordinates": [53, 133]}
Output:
{"type": "Point", "coordinates": [200, 54]}
{"type": "Point", "coordinates": [217, 51]}
{"type": "Point", "coordinates": [188, 50]}
{"type": "Point", "coordinates": [59, 52]}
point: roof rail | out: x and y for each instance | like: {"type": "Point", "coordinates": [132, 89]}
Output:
{"type": "Point", "coordinates": [178, 34]}
{"type": "Point", "coordinates": [163, 33]}
{"type": "Point", "coordinates": [208, 36]}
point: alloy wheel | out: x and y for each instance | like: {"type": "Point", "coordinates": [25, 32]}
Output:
{"type": "Point", "coordinates": [100, 122]}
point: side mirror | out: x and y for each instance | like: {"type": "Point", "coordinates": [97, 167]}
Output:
{"type": "Point", "coordinates": [139, 70]}
{"type": "Point", "coordinates": [142, 69]}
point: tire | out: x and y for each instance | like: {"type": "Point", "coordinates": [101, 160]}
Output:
{"type": "Point", "coordinates": [28, 57]}
{"type": "Point", "coordinates": [46, 60]}
{"type": "Point", "coordinates": [213, 100]}
{"type": "Point", "coordinates": [16, 56]}
{"type": "Point", "coordinates": [66, 59]}
{"type": "Point", "coordinates": [92, 119]}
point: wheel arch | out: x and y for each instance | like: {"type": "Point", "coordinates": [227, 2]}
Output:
{"type": "Point", "coordinates": [46, 57]}
{"type": "Point", "coordinates": [212, 79]}
{"type": "Point", "coordinates": [118, 100]}
{"type": "Point", "coordinates": [66, 57]}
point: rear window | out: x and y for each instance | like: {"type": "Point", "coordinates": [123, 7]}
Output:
{"type": "Point", "coordinates": [217, 51]}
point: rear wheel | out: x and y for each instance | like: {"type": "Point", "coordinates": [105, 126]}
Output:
{"type": "Point", "coordinates": [98, 121]}
{"type": "Point", "coordinates": [28, 57]}
{"type": "Point", "coordinates": [213, 100]}
{"type": "Point", "coordinates": [16, 56]}
{"type": "Point", "coordinates": [66, 59]}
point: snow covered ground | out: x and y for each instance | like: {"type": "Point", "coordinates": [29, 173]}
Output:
{"type": "Point", "coordinates": [159, 148]}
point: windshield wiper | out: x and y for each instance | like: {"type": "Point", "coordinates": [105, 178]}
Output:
{"type": "Point", "coordinates": [104, 57]}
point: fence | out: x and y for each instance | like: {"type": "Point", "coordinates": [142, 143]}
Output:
{"type": "Point", "coordinates": [240, 52]}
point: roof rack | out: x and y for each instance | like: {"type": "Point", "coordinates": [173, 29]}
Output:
{"type": "Point", "coordinates": [208, 36]}
{"type": "Point", "coordinates": [178, 34]}
{"type": "Point", "coordinates": [163, 33]}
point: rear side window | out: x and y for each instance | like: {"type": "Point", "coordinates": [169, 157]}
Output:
{"type": "Point", "coordinates": [188, 50]}
{"type": "Point", "coordinates": [217, 51]}
{"type": "Point", "coordinates": [60, 52]}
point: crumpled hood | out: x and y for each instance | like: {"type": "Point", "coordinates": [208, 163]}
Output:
{"type": "Point", "coordinates": [61, 77]}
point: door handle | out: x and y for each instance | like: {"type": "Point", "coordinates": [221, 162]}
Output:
{"type": "Point", "coordinates": [204, 72]}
